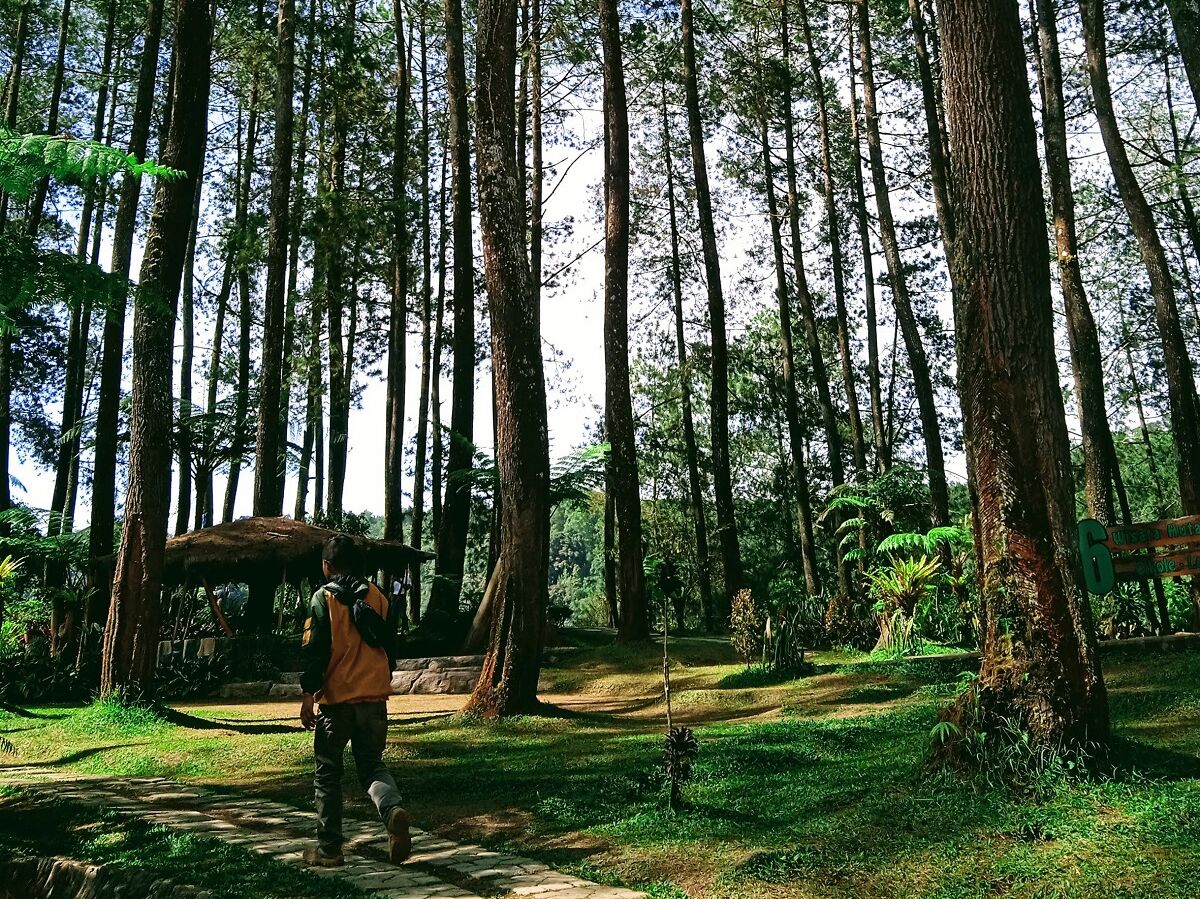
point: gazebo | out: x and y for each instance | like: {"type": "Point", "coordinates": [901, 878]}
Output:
{"type": "Point", "coordinates": [264, 553]}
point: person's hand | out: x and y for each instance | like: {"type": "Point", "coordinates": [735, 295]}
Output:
{"type": "Point", "coordinates": [308, 717]}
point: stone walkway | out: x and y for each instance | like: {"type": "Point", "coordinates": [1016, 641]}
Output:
{"type": "Point", "coordinates": [438, 868]}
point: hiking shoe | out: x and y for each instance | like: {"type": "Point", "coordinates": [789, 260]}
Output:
{"type": "Point", "coordinates": [315, 858]}
{"type": "Point", "coordinates": [399, 841]}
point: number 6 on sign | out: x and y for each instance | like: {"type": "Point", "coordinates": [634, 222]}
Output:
{"type": "Point", "coordinates": [1098, 571]}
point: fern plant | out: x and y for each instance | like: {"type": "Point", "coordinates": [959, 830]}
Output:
{"type": "Point", "coordinates": [897, 591]}
{"type": "Point", "coordinates": [26, 159]}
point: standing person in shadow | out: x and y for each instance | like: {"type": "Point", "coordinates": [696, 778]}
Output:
{"type": "Point", "coordinates": [349, 653]}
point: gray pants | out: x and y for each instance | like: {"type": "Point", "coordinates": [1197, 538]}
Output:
{"type": "Point", "coordinates": [364, 726]}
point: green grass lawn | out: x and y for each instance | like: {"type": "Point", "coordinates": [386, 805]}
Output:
{"type": "Point", "coordinates": [813, 787]}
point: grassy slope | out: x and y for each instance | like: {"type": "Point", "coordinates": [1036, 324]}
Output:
{"type": "Point", "coordinates": [809, 788]}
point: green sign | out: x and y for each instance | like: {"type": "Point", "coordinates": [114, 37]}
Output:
{"type": "Point", "coordinates": [1098, 571]}
{"type": "Point", "coordinates": [1135, 552]}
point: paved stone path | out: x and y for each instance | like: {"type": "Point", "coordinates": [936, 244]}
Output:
{"type": "Point", "coordinates": [438, 868]}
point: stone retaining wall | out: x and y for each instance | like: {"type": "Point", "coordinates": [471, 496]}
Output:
{"type": "Point", "coordinates": [65, 878]}
{"type": "Point", "coordinates": [448, 675]}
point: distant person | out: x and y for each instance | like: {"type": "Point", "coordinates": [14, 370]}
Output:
{"type": "Point", "coordinates": [349, 654]}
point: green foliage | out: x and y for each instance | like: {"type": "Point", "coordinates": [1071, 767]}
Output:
{"type": "Point", "coordinates": [680, 752]}
{"type": "Point", "coordinates": [29, 674]}
{"type": "Point", "coordinates": [25, 159]}
{"type": "Point", "coordinates": [903, 584]}
{"type": "Point", "coordinates": [179, 678]}
{"type": "Point", "coordinates": [746, 623]}
{"type": "Point", "coordinates": [898, 590]}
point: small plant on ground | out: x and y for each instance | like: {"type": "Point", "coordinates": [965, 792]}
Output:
{"type": "Point", "coordinates": [746, 627]}
{"type": "Point", "coordinates": [897, 590]}
{"type": "Point", "coordinates": [682, 748]}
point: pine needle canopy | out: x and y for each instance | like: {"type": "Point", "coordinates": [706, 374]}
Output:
{"type": "Point", "coordinates": [269, 550]}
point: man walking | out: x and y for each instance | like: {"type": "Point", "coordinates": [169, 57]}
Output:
{"type": "Point", "coordinates": [349, 654]}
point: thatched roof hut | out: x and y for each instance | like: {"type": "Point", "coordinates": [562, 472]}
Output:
{"type": "Point", "coordinates": [269, 551]}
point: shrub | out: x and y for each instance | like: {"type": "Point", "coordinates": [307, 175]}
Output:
{"type": "Point", "coordinates": [746, 627]}
{"type": "Point", "coordinates": [32, 674]}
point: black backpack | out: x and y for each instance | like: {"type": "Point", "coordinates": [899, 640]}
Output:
{"type": "Point", "coordinates": [376, 631]}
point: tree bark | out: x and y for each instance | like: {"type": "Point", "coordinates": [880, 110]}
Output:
{"type": "Point", "coordinates": [80, 325]}
{"type": "Point", "coordinates": [787, 358]}
{"type": "Point", "coordinates": [618, 407]}
{"type": "Point", "coordinates": [393, 493]}
{"type": "Point", "coordinates": [241, 401]}
{"type": "Point", "coordinates": [421, 445]}
{"type": "Point", "coordinates": [1185, 19]}
{"type": "Point", "coordinates": [537, 175]}
{"type": "Point", "coordinates": [1040, 665]}
{"type": "Point", "coordinates": [731, 555]}
{"type": "Point", "coordinates": [38, 204]}
{"type": "Point", "coordinates": [104, 465]}
{"type": "Point", "coordinates": [1099, 454]}
{"type": "Point", "coordinates": [880, 443]}
{"type": "Point", "coordinates": [1181, 384]}
{"type": "Point", "coordinates": [183, 448]}
{"type": "Point", "coordinates": [926, 401]}
{"type": "Point", "coordinates": [336, 292]}
{"type": "Point", "coordinates": [456, 513]}
{"type": "Point", "coordinates": [436, 448]}
{"type": "Point", "coordinates": [131, 635]}
{"type": "Point", "coordinates": [695, 488]}
{"type": "Point", "coordinates": [296, 220]}
{"type": "Point", "coordinates": [269, 458]}
{"type": "Point", "coordinates": [508, 683]}
{"type": "Point", "coordinates": [808, 313]}
{"type": "Point", "coordinates": [846, 357]}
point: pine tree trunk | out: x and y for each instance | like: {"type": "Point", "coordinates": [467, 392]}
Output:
{"type": "Point", "coordinates": [618, 407]}
{"type": "Point", "coordinates": [296, 220]}
{"type": "Point", "coordinates": [183, 449]}
{"type": "Point", "coordinates": [436, 448]}
{"type": "Point", "coordinates": [1181, 384]}
{"type": "Point", "coordinates": [205, 495]}
{"type": "Point", "coordinates": [1151, 462]}
{"type": "Point", "coordinates": [456, 512]}
{"type": "Point", "coordinates": [537, 176]}
{"type": "Point", "coordinates": [880, 443]}
{"type": "Point", "coordinates": [1185, 18]}
{"type": "Point", "coordinates": [926, 401]}
{"type": "Point", "coordinates": [241, 402]}
{"type": "Point", "coordinates": [731, 555]}
{"type": "Point", "coordinates": [787, 357]}
{"type": "Point", "coordinates": [131, 635]}
{"type": "Point", "coordinates": [38, 204]}
{"type": "Point", "coordinates": [336, 293]}
{"type": "Point", "coordinates": [421, 445]}
{"type": "Point", "coordinates": [1040, 667]}
{"type": "Point", "coordinates": [393, 493]}
{"type": "Point", "coordinates": [508, 683]}
{"type": "Point", "coordinates": [845, 354]}
{"type": "Point", "coordinates": [269, 458]}
{"type": "Point", "coordinates": [808, 314]}
{"type": "Point", "coordinates": [80, 323]}
{"type": "Point", "coordinates": [695, 488]}
{"type": "Point", "coordinates": [1099, 454]}
{"type": "Point", "coordinates": [104, 465]}
{"type": "Point", "coordinates": [311, 454]}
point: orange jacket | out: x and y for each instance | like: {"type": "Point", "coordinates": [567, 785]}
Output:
{"type": "Point", "coordinates": [339, 666]}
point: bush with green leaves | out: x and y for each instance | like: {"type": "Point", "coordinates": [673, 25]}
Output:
{"type": "Point", "coordinates": [898, 590]}
{"type": "Point", "coordinates": [746, 626]}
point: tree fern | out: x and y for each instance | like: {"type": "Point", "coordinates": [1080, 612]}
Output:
{"type": "Point", "coordinates": [25, 159]}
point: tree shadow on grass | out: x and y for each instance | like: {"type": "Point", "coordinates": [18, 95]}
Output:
{"type": "Point", "coordinates": [26, 713]}
{"type": "Point", "coordinates": [192, 722]}
{"type": "Point", "coordinates": [1132, 758]}
{"type": "Point", "coordinates": [79, 756]}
